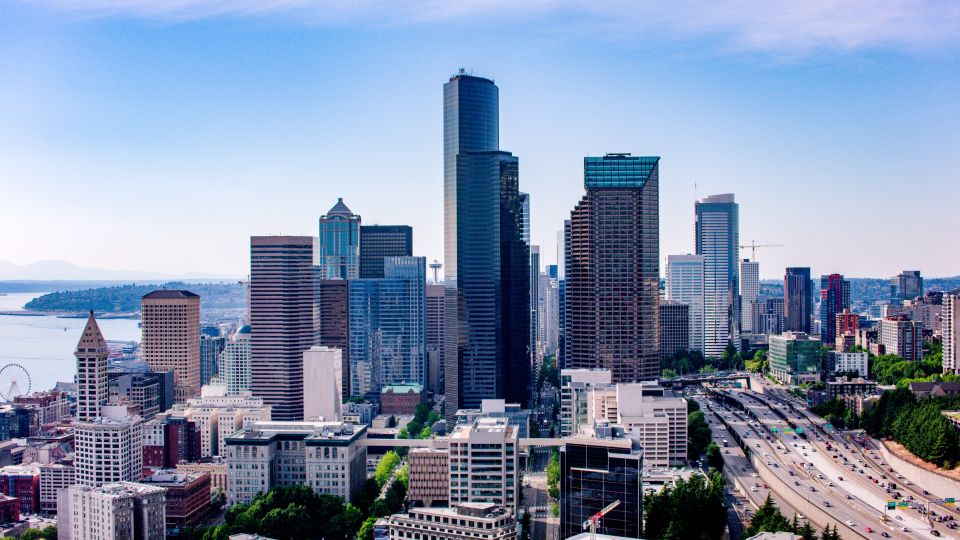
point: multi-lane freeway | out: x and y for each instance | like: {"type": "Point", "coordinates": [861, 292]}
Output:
{"type": "Point", "coordinates": [802, 472]}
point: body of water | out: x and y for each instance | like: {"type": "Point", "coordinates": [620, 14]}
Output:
{"type": "Point", "coordinates": [44, 345]}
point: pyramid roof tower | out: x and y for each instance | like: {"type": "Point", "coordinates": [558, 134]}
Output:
{"type": "Point", "coordinates": [340, 209]}
{"type": "Point", "coordinates": [92, 339]}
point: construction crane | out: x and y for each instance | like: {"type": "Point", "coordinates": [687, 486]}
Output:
{"type": "Point", "coordinates": [753, 245]}
{"type": "Point", "coordinates": [591, 523]}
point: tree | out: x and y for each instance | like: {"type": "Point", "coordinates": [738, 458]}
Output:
{"type": "Point", "coordinates": [553, 475]}
{"type": "Point", "coordinates": [352, 520]}
{"type": "Point", "coordinates": [366, 530]}
{"type": "Point", "coordinates": [698, 434]}
{"type": "Point", "coordinates": [714, 456]}
{"type": "Point", "coordinates": [768, 518]}
{"type": "Point", "coordinates": [385, 468]}
{"type": "Point", "coordinates": [667, 513]}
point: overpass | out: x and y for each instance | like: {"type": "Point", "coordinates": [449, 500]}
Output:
{"type": "Point", "coordinates": [701, 379]}
{"type": "Point", "coordinates": [442, 442]}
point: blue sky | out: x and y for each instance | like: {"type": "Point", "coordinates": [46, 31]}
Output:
{"type": "Point", "coordinates": [158, 135]}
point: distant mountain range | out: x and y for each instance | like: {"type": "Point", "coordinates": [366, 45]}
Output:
{"type": "Point", "coordinates": [66, 271]}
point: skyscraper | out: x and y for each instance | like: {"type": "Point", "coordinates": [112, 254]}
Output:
{"type": "Point", "coordinates": [339, 243]}
{"type": "Point", "coordinates": [211, 347]}
{"type": "Point", "coordinates": [685, 285]}
{"type": "Point", "coordinates": [535, 353]}
{"type": "Point", "coordinates": [380, 241]}
{"type": "Point", "coordinates": [486, 258]}
{"type": "Point", "coordinates": [333, 298]}
{"type": "Point", "coordinates": [235, 363]}
{"type": "Point", "coordinates": [388, 328]}
{"type": "Point", "coordinates": [951, 332]}
{"type": "Point", "coordinates": [906, 285]}
{"type": "Point", "coordinates": [436, 320]}
{"type": "Point", "coordinates": [674, 327]}
{"type": "Point", "coordinates": [283, 319]}
{"type": "Point", "coordinates": [91, 356]}
{"type": "Point", "coordinates": [170, 321]}
{"type": "Point", "coordinates": [834, 298]}
{"type": "Point", "coordinates": [749, 289]}
{"type": "Point", "coordinates": [797, 300]}
{"type": "Point", "coordinates": [613, 271]}
{"type": "Point", "coordinates": [718, 240]}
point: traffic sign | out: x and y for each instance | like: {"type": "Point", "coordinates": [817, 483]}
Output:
{"type": "Point", "coordinates": [903, 504]}
{"type": "Point", "coordinates": [799, 431]}
{"type": "Point", "coordinates": [949, 501]}
{"type": "Point", "coordinates": [774, 429]}
{"type": "Point", "coordinates": [828, 426]}
{"type": "Point", "coordinates": [891, 505]}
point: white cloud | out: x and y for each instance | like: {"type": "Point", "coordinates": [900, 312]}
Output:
{"type": "Point", "coordinates": [779, 26]}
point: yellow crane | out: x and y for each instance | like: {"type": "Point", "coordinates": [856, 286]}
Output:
{"type": "Point", "coordinates": [753, 245]}
{"type": "Point", "coordinates": [591, 523]}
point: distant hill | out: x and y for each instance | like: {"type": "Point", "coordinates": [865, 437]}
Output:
{"type": "Point", "coordinates": [867, 291]}
{"type": "Point", "coordinates": [126, 298]}
{"type": "Point", "coordinates": [67, 271]}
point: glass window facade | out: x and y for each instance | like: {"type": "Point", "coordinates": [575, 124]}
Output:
{"type": "Point", "coordinates": [591, 477]}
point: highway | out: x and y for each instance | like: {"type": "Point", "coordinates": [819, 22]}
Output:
{"type": "Point", "coordinates": [806, 471]}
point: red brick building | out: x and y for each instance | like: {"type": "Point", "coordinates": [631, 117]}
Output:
{"type": "Point", "coordinates": [401, 399]}
{"type": "Point", "coordinates": [9, 509]}
{"type": "Point", "coordinates": [22, 482]}
{"type": "Point", "coordinates": [188, 496]}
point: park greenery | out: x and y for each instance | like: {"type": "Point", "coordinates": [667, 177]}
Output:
{"type": "Point", "coordinates": [698, 434]}
{"type": "Point", "coordinates": [836, 412]}
{"type": "Point", "coordinates": [768, 518]}
{"type": "Point", "coordinates": [126, 298]}
{"type": "Point", "coordinates": [668, 512]}
{"type": "Point", "coordinates": [686, 362]}
{"type": "Point", "coordinates": [893, 369]}
{"type": "Point", "coordinates": [553, 474]}
{"type": "Point", "coordinates": [46, 533]}
{"type": "Point", "coordinates": [714, 456]}
{"type": "Point", "coordinates": [421, 425]}
{"type": "Point", "coordinates": [388, 463]}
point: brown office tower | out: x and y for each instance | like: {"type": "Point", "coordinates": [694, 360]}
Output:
{"type": "Point", "coordinates": [170, 321]}
{"type": "Point", "coordinates": [613, 272]}
{"type": "Point", "coordinates": [332, 304]}
{"type": "Point", "coordinates": [283, 319]}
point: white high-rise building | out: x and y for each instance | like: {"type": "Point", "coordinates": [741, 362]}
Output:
{"type": "Point", "coordinates": [575, 387]}
{"type": "Point", "coordinates": [322, 377]}
{"type": "Point", "coordinates": [125, 510]}
{"type": "Point", "coordinates": [657, 420]}
{"type": "Point", "coordinates": [219, 415]}
{"type": "Point", "coordinates": [109, 448]}
{"type": "Point", "coordinates": [718, 240]}
{"type": "Point", "coordinates": [235, 363]}
{"type": "Point", "coordinates": [484, 463]}
{"type": "Point", "coordinates": [749, 290]}
{"type": "Point", "coordinates": [685, 285]}
{"type": "Point", "coordinates": [950, 317]}
{"type": "Point", "coordinates": [91, 356]}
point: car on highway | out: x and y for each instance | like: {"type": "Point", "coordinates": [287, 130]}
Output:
{"type": "Point", "coordinates": [885, 534]}
{"type": "Point", "coordinates": [868, 529]}
{"type": "Point", "coordinates": [850, 523]}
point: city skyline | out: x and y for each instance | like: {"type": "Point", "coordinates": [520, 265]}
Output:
{"type": "Point", "coordinates": [123, 100]}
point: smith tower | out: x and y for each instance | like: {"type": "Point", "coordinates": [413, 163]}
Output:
{"type": "Point", "coordinates": [486, 257]}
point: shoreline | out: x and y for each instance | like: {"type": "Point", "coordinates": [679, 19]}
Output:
{"type": "Point", "coordinates": [69, 314]}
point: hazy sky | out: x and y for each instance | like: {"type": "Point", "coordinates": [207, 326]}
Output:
{"type": "Point", "coordinates": [160, 134]}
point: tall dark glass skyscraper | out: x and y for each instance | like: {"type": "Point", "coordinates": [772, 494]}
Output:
{"type": "Point", "coordinates": [834, 298]}
{"type": "Point", "coordinates": [486, 258]}
{"type": "Point", "coordinates": [380, 241]}
{"type": "Point", "coordinates": [797, 300]}
{"type": "Point", "coordinates": [612, 269]}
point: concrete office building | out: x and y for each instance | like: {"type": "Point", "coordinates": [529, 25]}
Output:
{"type": "Point", "coordinates": [142, 391]}
{"type": "Point", "coordinates": [797, 300]}
{"type": "Point", "coordinates": [339, 243]}
{"type": "Point", "coordinates": [91, 354]}
{"type": "Point", "coordinates": [846, 362]}
{"type": "Point", "coordinates": [484, 463]}
{"type": "Point", "coordinates": [218, 415]}
{"type": "Point", "coordinates": [749, 290]}
{"type": "Point", "coordinates": [487, 261]}
{"type": "Point", "coordinates": [674, 328]}
{"type": "Point", "coordinates": [951, 332]}
{"type": "Point", "coordinates": [170, 321]}
{"type": "Point", "coordinates": [429, 484]}
{"type": "Point", "coordinates": [498, 408]}
{"type": "Point", "coordinates": [685, 285]}
{"type": "Point", "coordinates": [575, 386]}
{"type": "Point", "coordinates": [55, 477]}
{"type": "Point", "coordinates": [902, 337]}
{"type": "Point", "coordinates": [322, 375]}
{"type": "Point", "coordinates": [613, 270]}
{"type": "Point", "coordinates": [717, 236]}
{"type": "Point", "coordinates": [329, 457]}
{"type": "Point", "coordinates": [795, 358]}
{"type": "Point", "coordinates": [187, 496]}
{"type": "Point", "coordinates": [597, 469]}
{"type": "Point", "coordinates": [283, 319]}
{"type": "Point", "coordinates": [109, 448]}
{"type": "Point", "coordinates": [657, 421]}
{"type": "Point", "coordinates": [479, 521]}
{"type": "Point", "coordinates": [123, 510]}
{"type": "Point", "coordinates": [378, 242]}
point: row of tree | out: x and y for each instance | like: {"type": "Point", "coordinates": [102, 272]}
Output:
{"type": "Point", "coordinates": [668, 513]}
{"type": "Point", "coordinates": [420, 426]}
{"type": "Point", "coordinates": [698, 434]}
{"type": "Point", "coordinates": [769, 519]}
{"type": "Point", "coordinates": [685, 362]}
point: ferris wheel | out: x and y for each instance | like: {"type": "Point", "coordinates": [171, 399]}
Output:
{"type": "Point", "coordinates": [14, 381]}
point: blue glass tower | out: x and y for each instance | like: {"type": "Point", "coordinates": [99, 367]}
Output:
{"type": "Point", "coordinates": [388, 327]}
{"type": "Point", "coordinates": [718, 240]}
{"type": "Point", "coordinates": [339, 247]}
{"type": "Point", "coordinates": [486, 258]}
